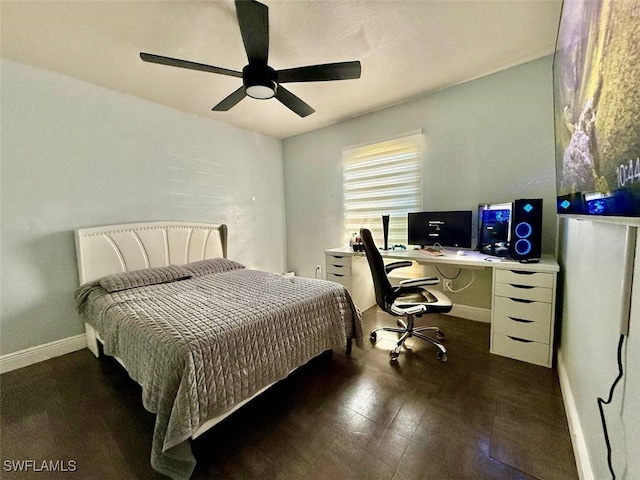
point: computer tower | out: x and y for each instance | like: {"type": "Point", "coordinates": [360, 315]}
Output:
{"type": "Point", "coordinates": [526, 230]}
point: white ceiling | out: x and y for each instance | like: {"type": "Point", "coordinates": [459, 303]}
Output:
{"type": "Point", "coordinates": [406, 48]}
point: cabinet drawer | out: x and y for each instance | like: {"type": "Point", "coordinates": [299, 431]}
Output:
{"type": "Point", "coordinates": [525, 329]}
{"type": "Point", "coordinates": [525, 292]}
{"type": "Point", "coordinates": [527, 351]}
{"type": "Point", "coordinates": [521, 277]}
{"type": "Point", "coordinates": [339, 269]}
{"type": "Point", "coordinates": [341, 279]}
{"type": "Point", "coordinates": [526, 310]}
{"type": "Point", "coordinates": [338, 260]}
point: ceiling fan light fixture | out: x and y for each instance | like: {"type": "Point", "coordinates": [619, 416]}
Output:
{"type": "Point", "coordinates": [261, 92]}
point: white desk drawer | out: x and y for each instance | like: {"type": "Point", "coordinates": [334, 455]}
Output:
{"type": "Point", "coordinates": [525, 292]}
{"type": "Point", "coordinates": [339, 269]}
{"type": "Point", "coordinates": [526, 310]}
{"type": "Point", "coordinates": [338, 260]}
{"type": "Point", "coordinates": [525, 329]}
{"type": "Point", "coordinates": [520, 277]}
{"type": "Point", "coordinates": [341, 279]}
{"type": "Point", "coordinates": [527, 351]}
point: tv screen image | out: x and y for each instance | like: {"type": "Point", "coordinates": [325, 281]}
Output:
{"type": "Point", "coordinates": [447, 228]}
{"type": "Point", "coordinates": [596, 90]}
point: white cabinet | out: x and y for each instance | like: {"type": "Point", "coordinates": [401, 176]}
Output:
{"type": "Point", "coordinates": [523, 313]}
{"type": "Point", "coordinates": [351, 270]}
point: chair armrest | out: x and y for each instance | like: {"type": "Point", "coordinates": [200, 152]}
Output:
{"type": "Point", "coordinates": [392, 266]}
{"type": "Point", "coordinates": [418, 282]}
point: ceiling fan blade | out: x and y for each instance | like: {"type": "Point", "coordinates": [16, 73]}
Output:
{"type": "Point", "coordinates": [230, 101]}
{"type": "Point", "coordinates": [320, 73]}
{"type": "Point", "coordinates": [292, 102]}
{"type": "Point", "coordinates": [253, 18]}
{"type": "Point", "coordinates": [175, 62]}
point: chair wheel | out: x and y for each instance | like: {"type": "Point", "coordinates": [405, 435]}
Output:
{"type": "Point", "coordinates": [442, 357]}
{"type": "Point", "coordinates": [394, 355]}
{"type": "Point", "coordinates": [373, 337]}
{"type": "Point", "coordinates": [440, 335]}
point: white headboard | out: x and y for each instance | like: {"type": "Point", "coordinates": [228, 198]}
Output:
{"type": "Point", "coordinates": [119, 248]}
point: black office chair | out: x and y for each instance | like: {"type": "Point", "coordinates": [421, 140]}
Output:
{"type": "Point", "coordinates": [409, 299]}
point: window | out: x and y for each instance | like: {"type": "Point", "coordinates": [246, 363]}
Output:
{"type": "Point", "coordinates": [382, 178]}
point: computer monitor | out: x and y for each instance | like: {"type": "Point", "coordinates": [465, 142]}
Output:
{"type": "Point", "coordinates": [494, 232]}
{"type": "Point", "coordinates": [447, 229]}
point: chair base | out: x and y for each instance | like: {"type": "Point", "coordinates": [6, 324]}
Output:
{"type": "Point", "coordinates": [408, 330]}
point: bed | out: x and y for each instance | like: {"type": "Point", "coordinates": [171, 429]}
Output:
{"type": "Point", "coordinates": [202, 334]}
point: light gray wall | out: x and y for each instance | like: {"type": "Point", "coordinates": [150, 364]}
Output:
{"type": "Point", "coordinates": [591, 257]}
{"type": "Point", "coordinates": [77, 155]}
{"type": "Point", "coordinates": [488, 140]}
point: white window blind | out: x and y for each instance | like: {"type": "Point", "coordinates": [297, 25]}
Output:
{"type": "Point", "coordinates": [384, 178]}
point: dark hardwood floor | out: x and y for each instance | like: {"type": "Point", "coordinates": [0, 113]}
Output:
{"type": "Point", "coordinates": [477, 416]}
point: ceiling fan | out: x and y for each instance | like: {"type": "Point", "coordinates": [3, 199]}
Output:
{"type": "Point", "coordinates": [259, 80]}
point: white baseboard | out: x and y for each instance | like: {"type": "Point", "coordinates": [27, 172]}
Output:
{"type": "Point", "coordinates": [39, 353]}
{"type": "Point", "coordinates": [471, 313]}
{"type": "Point", "coordinates": [577, 436]}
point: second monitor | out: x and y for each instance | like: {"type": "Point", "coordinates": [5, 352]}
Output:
{"type": "Point", "coordinates": [447, 229]}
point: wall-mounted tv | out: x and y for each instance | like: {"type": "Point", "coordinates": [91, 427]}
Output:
{"type": "Point", "coordinates": [596, 86]}
{"type": "Point", "coordinates": [447, 228]}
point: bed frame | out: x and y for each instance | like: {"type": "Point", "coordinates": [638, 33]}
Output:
{"type": "Point", "coordinates": [121, 248]}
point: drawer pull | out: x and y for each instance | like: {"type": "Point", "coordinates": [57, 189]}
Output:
{"type": "Point", "coordinates": [521, 272]}
{"type": "Point", "coordinates": [524, 287]}
{"type": "Point", "coordinates": [520, 339]}
{"type": "Point", "coordinates": [338, 275]}
{"type": "Point", "coordinates": [338, 266]}
{"type": "Point", "coordinates": [521, 320]}
{"type": "Point", "coordinates": [521, 300]}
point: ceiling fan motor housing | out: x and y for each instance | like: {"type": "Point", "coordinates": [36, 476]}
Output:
{"type": "Point", "coordinates": [259, 81]}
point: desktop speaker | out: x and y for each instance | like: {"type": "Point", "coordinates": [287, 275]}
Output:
{"type": "Point", "coordinates": [526, 230]}
{"type": "Point", "coordinates": [385, 231]}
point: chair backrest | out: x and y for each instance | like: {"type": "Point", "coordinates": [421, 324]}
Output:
{"type": "Point", "coordinates": [381, 283]}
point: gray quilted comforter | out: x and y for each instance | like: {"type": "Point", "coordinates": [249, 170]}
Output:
{"type": "Point", "coordinates": [200, 345]}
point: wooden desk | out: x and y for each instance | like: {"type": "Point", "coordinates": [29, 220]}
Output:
{"type": "Point", "coordinates": [522, 301]}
